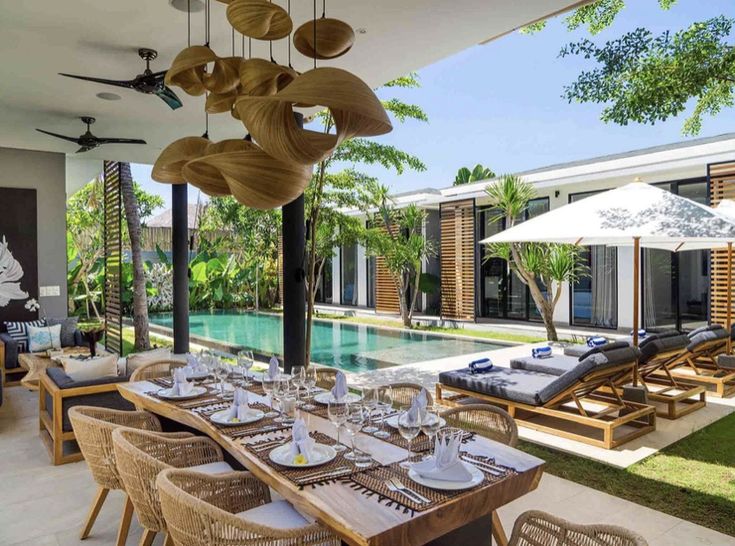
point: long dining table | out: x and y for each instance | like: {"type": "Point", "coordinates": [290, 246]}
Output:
{"type": "Point", "coordinates": [366, 519]}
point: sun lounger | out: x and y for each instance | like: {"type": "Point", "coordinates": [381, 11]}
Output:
{"type": "Point", "coordinates": [569, 403]}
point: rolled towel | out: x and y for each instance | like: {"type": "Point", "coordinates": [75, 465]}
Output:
{"type": "Point", "coordinates": [641, 333]}
{"type": "Point", "coordinates": [480, 365]}
{"type": "Point", "coordinates": [541, 352]}
{"type": "Point", "coordinates": [596, 341]}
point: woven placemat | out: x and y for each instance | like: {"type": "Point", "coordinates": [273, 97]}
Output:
{"type": "Point", "coordinates": [264, 426]}
{"type": "Point", "coordinates": [207, 399]}
{"type": "Point", "coordinates": [372, 484]}
{"type": "Point", "coordinates": [335, 470]}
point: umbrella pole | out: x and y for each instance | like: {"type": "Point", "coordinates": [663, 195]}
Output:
{"type": "Point", "coordinates": [636, 289]}
{"type": "Point", "coordinates": [729, 298]}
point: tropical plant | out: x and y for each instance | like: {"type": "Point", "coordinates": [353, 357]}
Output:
{"type": "Point", "coordinates": [544, 268]}
{"type": "Point", "coordinates": [396, 236]}
{"type": "Point", "coordinates": [466, 176]}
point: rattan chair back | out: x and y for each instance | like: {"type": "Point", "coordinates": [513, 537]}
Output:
{"type": "Point", "coordinates": [93, 428]}
{"type": "Point", "coordinates": [486, 420]}
{"type": "Point", "coordinates": [157, 369]}
{"type": "Point", "coordinates": [404, 393]}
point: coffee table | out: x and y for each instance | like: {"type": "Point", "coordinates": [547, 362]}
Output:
{"type": "Point", "coordinates": [35, 363]}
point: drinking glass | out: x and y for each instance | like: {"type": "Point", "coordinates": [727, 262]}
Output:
{"type": "Point", "coordinates": [245, 361]}
{"type": "Point", "coordinates": [430, 425]}
{"type": "Point", "coordinates": [309, 382]}
{"type": "Point", "coordinates": [337, 412]}
{"type": "Point", "coordinates": [354, 423]}
{"type": "Point", "coordinates": [298, 376]}
{"type": "Point", "coordinates": [221, 371]}
{"type": "Point", "coordinates": [370, 400]}
{"type": "Point", "coordinates": [280, 392]}
{"type": "Point", "coordinates": [268, 385]}
{"type": "Point", "coordinates": [409, 427]}
{"type": "Point", "coordinates": [385, 404]}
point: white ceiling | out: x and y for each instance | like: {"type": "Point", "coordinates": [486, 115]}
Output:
{"type": "Point", "coordinates": [100, 38]}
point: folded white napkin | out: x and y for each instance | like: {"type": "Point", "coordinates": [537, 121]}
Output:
{"type": "Point", "coordinates": [445, 464]}
{"type": "Point", "coordinates": [273, 370]}
{"type": "Point", "coordinates": [181, 386]}
{"type": "Point", "coordinates": [419, 403]}
{"type": "Point", "coordinates": [340, 386]}
{"type": "Point", "coordinates": [301, 442]}
{"type": "Point", "coordinates": [239, 407]}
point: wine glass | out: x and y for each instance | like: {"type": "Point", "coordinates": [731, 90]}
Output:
{"type": "Point", "coordinates": [280, 392]}
{"type": "Point", "coordinates": [245, 361]}
{"type": "Point", "coordinates": [309, 382]}
{"type": "Point", "coordinates": [430, 425]}
{"type": "Point", "coordinates": [221, 371]}
{"type": "Point", "coordinates": [268, 386]}
{"type": "Point", "coordinates": [354, 423]}
{"type": "Point", "coordinates": [298, 376]}
{"type": "Point", "coordinates": [384, 405]}
{"type": "Point", "coordinates": [370, 400]}
{"type": "Point", "coordinates": [337, 412]}
{"type": "Point", "coordinates": [409, 426]}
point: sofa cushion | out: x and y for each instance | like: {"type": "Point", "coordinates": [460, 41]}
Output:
{"type": "Point", "coordinates": [89, 368]}
{"type": "Point", "coordinates": [554, 365]}
{"type": "Point", "coordinates": [68, 329]}
{"type": "Point", "coordinates": [43, 338]}
{"type": "Point", "coordinates": [19, 332]}
{"type": "Point", "coordinates": [136, 360]}
{"type": "Point", "coordinates": [11, 351]}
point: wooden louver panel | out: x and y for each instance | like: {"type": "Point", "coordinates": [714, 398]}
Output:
{"type": "Point", "coordinates": [386, 293]}
{"type": "Point", "coordinates": [113, 257]}
{"type": "Point", "coordinates": [457, 259]}
{"type": "Point", "coordinates": [722, 186]}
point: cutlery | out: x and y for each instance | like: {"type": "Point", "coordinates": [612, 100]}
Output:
{"type": "Point", "coordinates": [254, 432]}
{"type": "Point", "coordinates": [325, 473]}
{"type": "Point", "coordinates": [487, 467]}
{"type": "Point", "coordinates": [393, 488]}
{"type": "Point", "coordinates": [273, 444]}
{"type": "Point", "coordinates": [402, 487]}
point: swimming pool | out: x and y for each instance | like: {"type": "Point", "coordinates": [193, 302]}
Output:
{"type": "Point", "coordinates": [348, 346]}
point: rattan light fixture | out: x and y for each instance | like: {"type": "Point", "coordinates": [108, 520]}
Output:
{"type": "Point", "coordinates": [259, 19]}
{"type": "Point", "coordinates": [171, 160]}
{"type": "Point", "coordinates": [189, 71]}
{"type": "Point", "coordinates": [324, 38]}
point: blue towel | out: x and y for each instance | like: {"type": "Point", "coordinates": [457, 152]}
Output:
{"type": "Point", "coordinates": [480, 365]}
{"type": "Point", "coordinates": [641, 333]}
{"type": "Point", "coordinates": [541, 352]}
{"type": "Point", "coordinates": [596, 341]}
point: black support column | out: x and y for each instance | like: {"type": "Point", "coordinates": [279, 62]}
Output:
{"type": "Point", "coordinates": [180, 259]}
{"type": "Point", "coordinates": [294, 286]}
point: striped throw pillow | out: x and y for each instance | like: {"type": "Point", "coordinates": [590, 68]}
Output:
{"type": "Point", "coordinates": [19, 332]}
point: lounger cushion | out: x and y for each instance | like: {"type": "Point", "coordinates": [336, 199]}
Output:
{"type": "Point", "coordinates": [604, 349]}
{"type": "Point", "coordinates": [554, 365]}
{"type": "Point", "coordinates": [576, 350]}
{"type": "Point", "coordinates": [521, 386]}
{"type": "Point", "coordinates": [726, 361]}
{"type": "Point", "coordinates": [710, 334]}
{"type": "Point", "coordinates": [660, 343]}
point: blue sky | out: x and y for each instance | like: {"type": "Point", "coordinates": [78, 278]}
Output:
{"type": "Point", "coordinates": [500, 104]}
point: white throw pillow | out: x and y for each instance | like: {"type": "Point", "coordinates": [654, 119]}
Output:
{"type": "Point", "coordinates": [43, 338]}
{"type": "Point", "coordinates": [136, 360]}
{"type": "Point", "coordinates": [93, 368]}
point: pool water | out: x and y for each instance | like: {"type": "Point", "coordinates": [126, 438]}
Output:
{"type": "Point", "coordinates": [348, 346]}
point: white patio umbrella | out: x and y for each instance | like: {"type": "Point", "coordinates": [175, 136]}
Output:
{"type": "Point", "coordinates": [636, 214]}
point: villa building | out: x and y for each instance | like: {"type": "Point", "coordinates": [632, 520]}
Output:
{"type": "Point", "coordinates": [676, 287]}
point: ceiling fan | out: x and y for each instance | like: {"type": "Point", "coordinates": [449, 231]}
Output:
{"type": "Point", "coordinates": [88, 141]}
{"type": "Point", "coordinates": [149, 82]}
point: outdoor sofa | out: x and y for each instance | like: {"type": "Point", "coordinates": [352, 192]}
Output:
{"type": "Point", "coordinates": [561, 395]}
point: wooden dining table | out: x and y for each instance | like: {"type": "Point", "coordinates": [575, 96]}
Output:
{"type": "Point", "coordinates": [360, 519]}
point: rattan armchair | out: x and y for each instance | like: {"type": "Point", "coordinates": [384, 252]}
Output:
{"type": "Point", "coordinates": [325, 377]}
{"type": "Point", "coordinates": [154, 370]}
{"type": "Point", "coordinates": [534, 528]}
{"type": "Point", "coordinates": [490, 422]}
{"type": "Point", "coordinates": [141, 456]}
{"type": "Point", "coordinates": [93, 429]}
{"type": "Point", "coordinates": [404, 393]}
{"type": "Point", "coordinates": [227, 510]}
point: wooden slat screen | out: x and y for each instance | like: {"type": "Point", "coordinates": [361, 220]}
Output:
{"type": "Point", "coordinates": [113, 257]}
{"type": "Point", "coordinates": [722, 186]}
{"type": "Point", "coordinates": [386, 293]}
{"type": "Point", "coordinates": [457, 258]}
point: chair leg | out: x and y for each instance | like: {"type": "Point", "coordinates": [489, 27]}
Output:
{"type": "Point", "coordinates": [127, 516]}
{"type": "Point", "coordinates": [94, 511]}
{"type": "Point", "coordinates": [147, 538]}
{"type": "Point", "coordinates": [498, 531]}
{"type": "Point", "coordinates": [168, 541]}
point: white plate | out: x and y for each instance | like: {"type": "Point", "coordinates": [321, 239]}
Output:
{"type": "Point", "coordinates": [393, 421]}
{"type": "Point", "coordinates": [197, 375]}
{"type": "Point", "coordinates": [320, 454]}
{"type": "Point", "coordinates": [327, 397]}
{"type": "Point", "coordinates": [477, 477]}
{"type": "Point", "coordinates": [252, 415]}
{"type": "Point", "coordinates": [256, 376]}
{"type": "Point", "coordinates": [196, 391]}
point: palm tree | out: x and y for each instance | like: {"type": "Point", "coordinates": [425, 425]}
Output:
{"type": "Point", "coordinates": [543, 267]}
{"type": "Point", "coordinates": [465, 176]}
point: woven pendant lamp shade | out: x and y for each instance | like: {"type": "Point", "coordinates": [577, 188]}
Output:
{"type": "Point", "coordinates": [334, 38]}
{"type": "Point", "coordinates": [259, 77]}
{"type": "Point", "coordinates": [188, 71]}
{"type": "Point", "coordinates": [171, 160]}
{"type": "Point", "coordinates": [200, 174]}
{"type": "Point", "coordinates": [259, 19]}
{"type": "Point", "coordinates": [219, 103]}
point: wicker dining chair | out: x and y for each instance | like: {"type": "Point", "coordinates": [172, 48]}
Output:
{"type": "Point", "coordinates": [493, 423]}
{"type": "Point", "coordinates": [535, 528]}
{"type": "Point", "coordinates": [325, 377]}
{"type": "Point", "coordinates": [141, 456]}
{"type": "Point", "coordinates": [404, 393]}
{"type": "Point", "coordinates": [232, 509]}
{"type": "Point", "coordinates": [154, 370]}
{"type": "Point", "coordinates": [93, 429]}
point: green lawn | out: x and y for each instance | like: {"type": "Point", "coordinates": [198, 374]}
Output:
{"type": "Point", "coordinates": [693, 479]}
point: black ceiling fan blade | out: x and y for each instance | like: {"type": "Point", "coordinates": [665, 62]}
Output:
{"type": "Point", "coordinates": [170, 98]}
{"type": "Point", "coordinates": [75, 140]}
{"type": "Point", "coordinates": [117, 83]}
{"type": "Point", "coordinates": [120, 141]}
{"type": "Point", "coordinates": [159, 75]}
{"type": "Point", "coordinates": [85, 149]}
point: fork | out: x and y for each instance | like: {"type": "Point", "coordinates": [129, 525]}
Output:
{"type": "Point", "coordinates": [393, 488]}
{"type": "Point", "coordinates": [399, 485]}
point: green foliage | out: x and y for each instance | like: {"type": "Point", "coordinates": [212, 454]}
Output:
{"type": "Point", "coordinates": [510, 195]}
{"type": "Point", "coordinates": [410, 80]}
{"type": "Point", "coordinates": [429, 284]}
{"type": "Point", "coordinates": [646, 79]}
{"type": "Point", "coordinates": [466, 176]}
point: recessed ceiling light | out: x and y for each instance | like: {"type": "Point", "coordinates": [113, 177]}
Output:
{"type": "Point", "coordinates": [108, 96]}
{"type": "Point", "coordinates": [185, 5]}
{"type": "Point", "coordinates": [361, 30]}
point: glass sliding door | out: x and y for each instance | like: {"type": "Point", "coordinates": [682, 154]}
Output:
{"type": "Point", "coordinates": [349, 275]}
{"type": "Point", "coordinates": [370, 264]}
{"type": "Point", "coordinates": [659, 290]}
{"type": "Point", "coordinates": [693, 270]}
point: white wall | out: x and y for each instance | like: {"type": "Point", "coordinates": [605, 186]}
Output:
{"type": "Point", "coordinates": [336, 280]}
{"type": "Point", "coordinates": [361, 277]}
